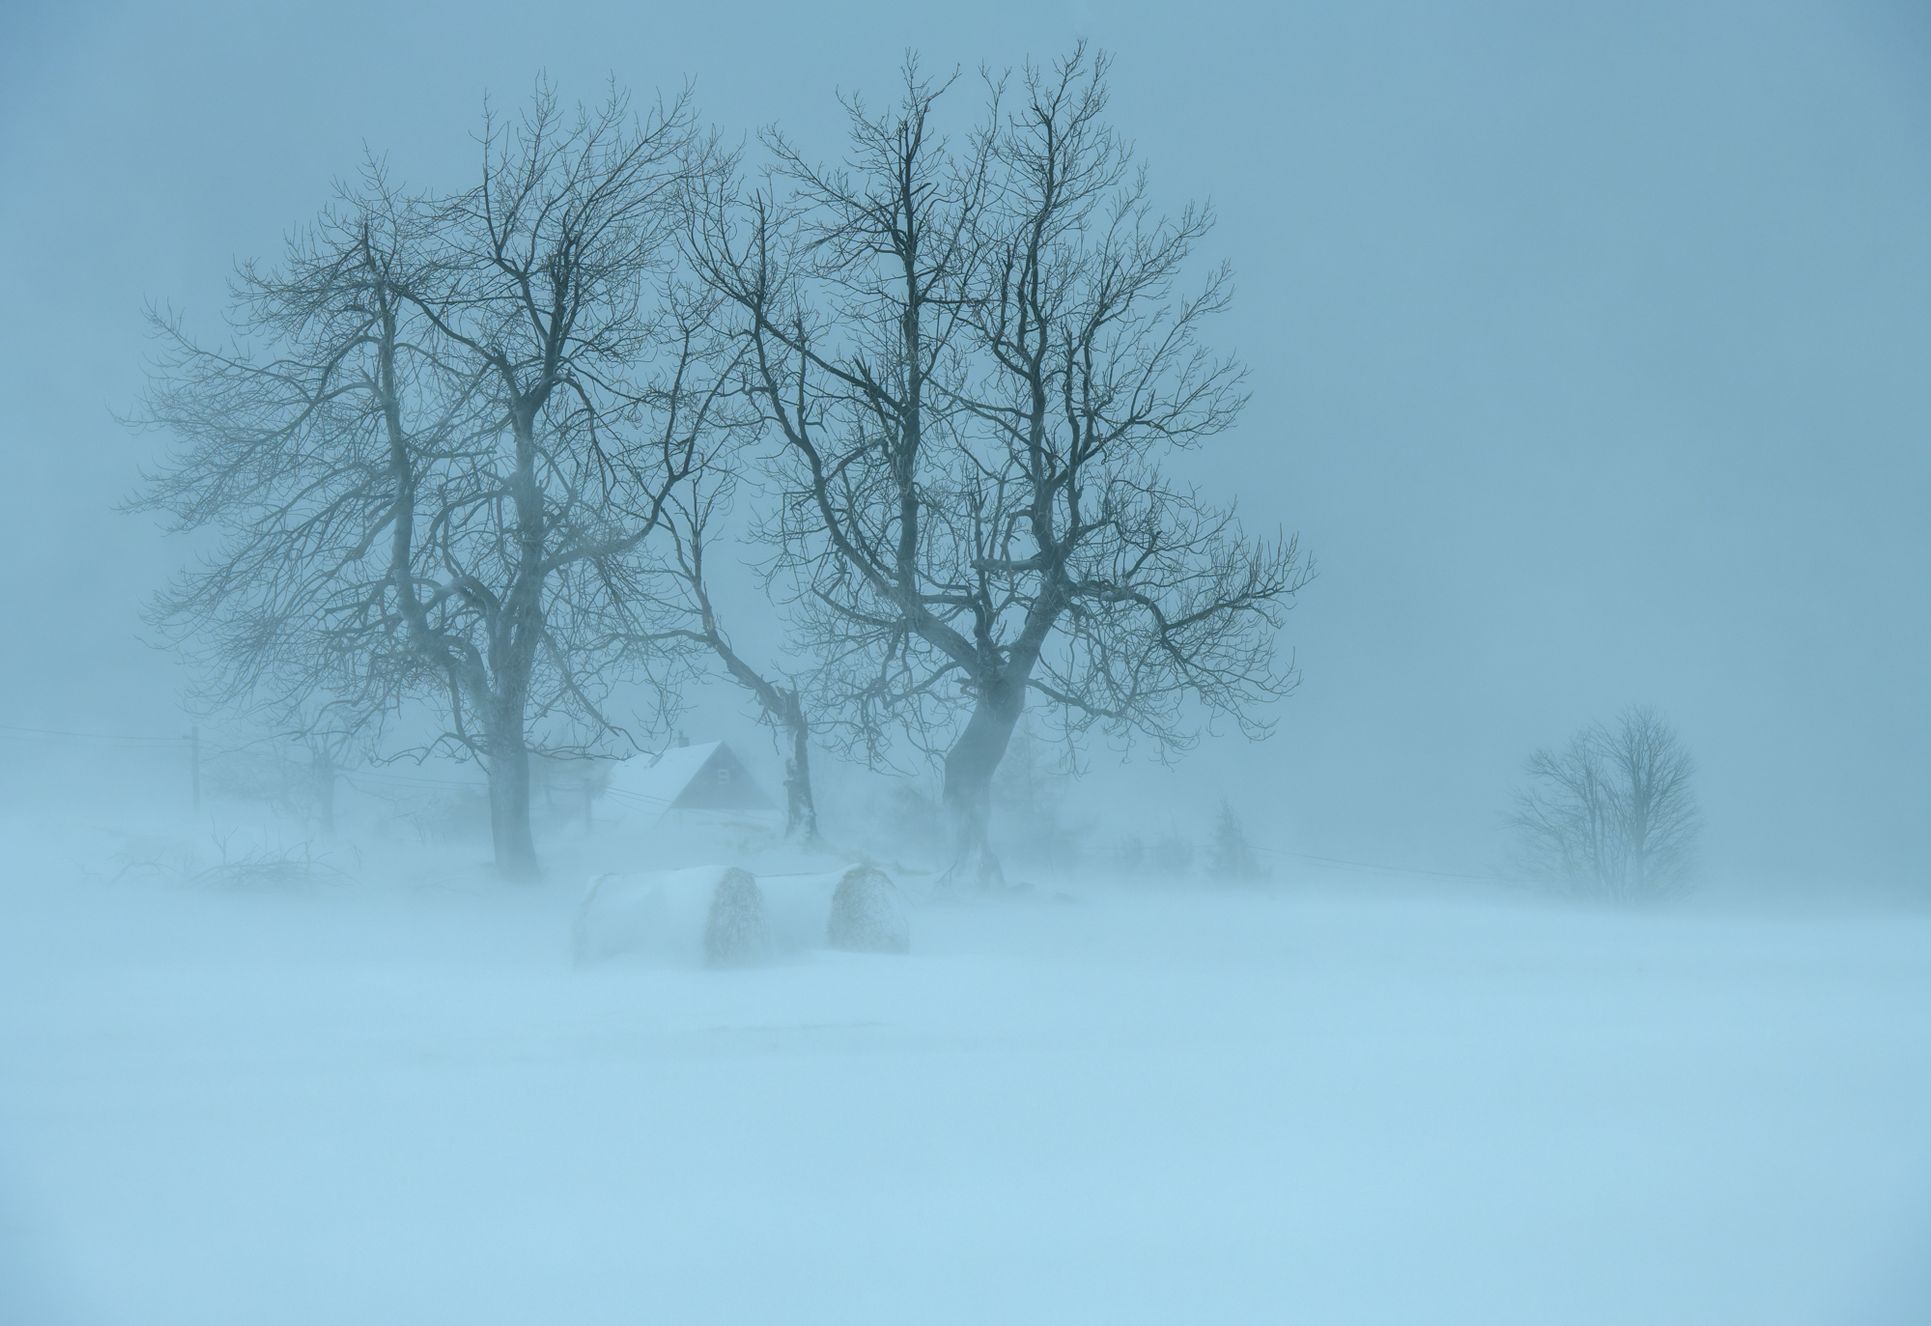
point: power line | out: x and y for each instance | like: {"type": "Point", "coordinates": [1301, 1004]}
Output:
{"type": "Point", "coordinates": [643, 797]}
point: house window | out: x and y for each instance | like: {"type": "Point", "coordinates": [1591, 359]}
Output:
{"type": "Point", "coordinates": [723, 775]}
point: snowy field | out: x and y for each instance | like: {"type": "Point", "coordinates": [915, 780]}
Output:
{"type": "Point", "coordinates": [391, 1098]}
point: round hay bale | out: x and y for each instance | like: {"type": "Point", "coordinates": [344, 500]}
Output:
{"type": "Point", "coordinates": [735, 934]}
{"type": "Point", "coordinates": [867, 915]}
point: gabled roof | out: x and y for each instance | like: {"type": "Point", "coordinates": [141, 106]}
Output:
{"type": "Point", "coordinates": [674, 776]}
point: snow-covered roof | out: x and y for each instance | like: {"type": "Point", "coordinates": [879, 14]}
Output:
{"type": "Point", "coordinates": [661, 780]}
{"type": "Point", "coordinates": [657, 784]}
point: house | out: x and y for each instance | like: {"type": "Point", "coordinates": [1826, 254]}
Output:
{"type": "Point", "coordinates": [707, 777]}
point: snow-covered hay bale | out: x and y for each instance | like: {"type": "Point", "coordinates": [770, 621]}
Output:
{"type": "Point", "coordinates": [735, 934]}
{"type": "Point", "coordinates": [867, 915]}
{"type": "Point", "coordinates": [664, 916]}
{"type": "Point", "coordinates": [723, 916]}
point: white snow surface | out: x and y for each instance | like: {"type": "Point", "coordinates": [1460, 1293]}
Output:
{"type": "Point", "coordinates": [392, 1097]}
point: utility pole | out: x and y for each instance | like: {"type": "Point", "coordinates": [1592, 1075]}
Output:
{"type": "Point", "coordinates": [194, 764]}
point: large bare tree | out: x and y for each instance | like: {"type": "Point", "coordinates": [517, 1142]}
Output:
{"type": "Point", "coordinates": [409, 456]}
{"type": "Point", "coordinates": [981, 356]}
{"type": "Point", "coordinates": [1613, 813]}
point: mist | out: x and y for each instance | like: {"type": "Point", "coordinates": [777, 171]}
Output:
{"type": "Point", "coordinates": [1496, 901]}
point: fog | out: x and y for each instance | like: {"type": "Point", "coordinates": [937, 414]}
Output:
{"type": "Point", "coordinates": [1586, 352]}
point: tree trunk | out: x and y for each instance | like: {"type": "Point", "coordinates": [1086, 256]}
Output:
{"type": "Point", "coordinates": [509, 798]}
{"type": "Point", "coordinates": [322, 776]}
{"type": "Point", "coordinates": [800, 806]}
{"type": "Point", "coordinates": [969, 767]}
{"type": "Point", "coordinates": [514, 636]}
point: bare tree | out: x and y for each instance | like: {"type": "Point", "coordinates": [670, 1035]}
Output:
{"type": "Point", "coordinates": [690, 518]}
{"type": "Point", "coordinates": [978, 357]}
{"type": "Point", "coordinates": [1029, 795]}
{"type": "Point", "coordinates": [1613, 813]}
{"type": "Point", "coordinates": [334, 737]}
{"type": "Point", "coordinates": [410, 456]}
{"type": "Point", "coordinates": [293, 767]}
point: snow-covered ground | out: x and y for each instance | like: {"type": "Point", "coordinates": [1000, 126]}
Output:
{"type": "Point", "coordinates": [392, 1098]}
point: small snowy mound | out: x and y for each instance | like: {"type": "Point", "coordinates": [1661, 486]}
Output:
{"type": "Point", "coordinates": [866, 914]}
{"type": "Point", "coordinates": [735, 934]}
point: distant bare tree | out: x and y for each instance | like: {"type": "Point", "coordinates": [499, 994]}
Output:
{"type": "Point", "coordinates": [334, 738]}
{"type": "Point", "coordinates": [410, 456]}
{"type": "Point", "coordinates": [690, 519]}
{"type": "Point", "coordinates": [294, 768]}
{"type": "Point", "coordinates": [1613, 813]}
{"type": "Point", "coordinates": [1029, 795]}
{"type": "Point", "coordinates": [978, 357]}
